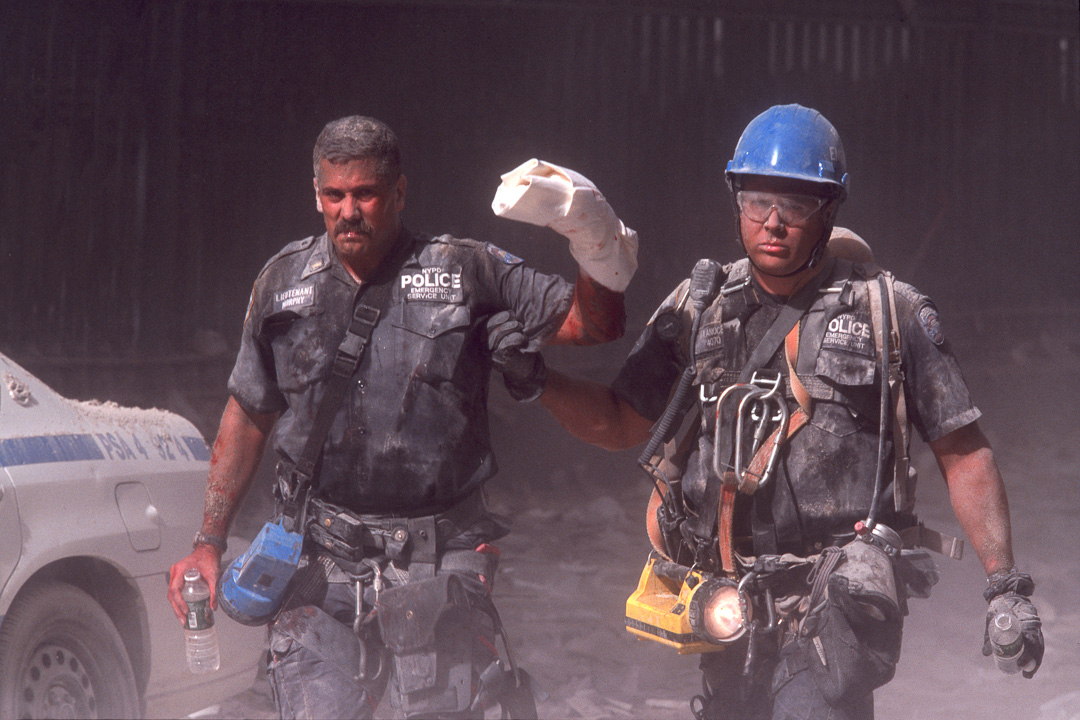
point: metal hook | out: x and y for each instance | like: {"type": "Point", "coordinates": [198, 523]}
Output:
{"type": "Point", "coordinates": [719, 433]}
{"type": "Point", "coordinates": [778, 440]}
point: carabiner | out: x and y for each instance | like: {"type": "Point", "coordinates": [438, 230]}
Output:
{"type": "Point", "coordinates": [774, 455]}
{"type": "Point", "coordinates": [718, 434]}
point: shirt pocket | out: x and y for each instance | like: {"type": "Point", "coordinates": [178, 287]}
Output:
{"type": "Point", "coordinates": [432, 320]}
{"type": "Point", "coordinates": [843, 368]}
{"type": "Point", "coordinates": [853, 404]}
{"type": "Point", "coordinates": [434, 337]}
{"type": "Point", "coordinates": [301, 345]}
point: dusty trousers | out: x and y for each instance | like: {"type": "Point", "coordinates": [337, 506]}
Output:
{"type": "Point", "coordinates": [823, 663]}
{"type": "Point", "coordinates": [316, 658]}
{"type": "Point", "coordinates": [785, 690]}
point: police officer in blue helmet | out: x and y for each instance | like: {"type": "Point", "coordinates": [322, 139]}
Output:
{"type": "Point", "coordinates": [796, 374]}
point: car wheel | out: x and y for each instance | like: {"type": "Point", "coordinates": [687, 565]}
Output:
{"type": "Point", "coordinates": [62, 657]}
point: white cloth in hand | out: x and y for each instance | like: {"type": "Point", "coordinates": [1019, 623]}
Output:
{"type": "Point", "coordinates": [540, 193]}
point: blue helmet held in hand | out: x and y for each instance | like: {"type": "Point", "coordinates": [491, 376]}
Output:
{"type": "Point", "coordinates": [795, 142]}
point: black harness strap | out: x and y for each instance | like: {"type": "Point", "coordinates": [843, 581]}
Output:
{"type": "Point", "coordinates": [371, 299]}
{"type": "Point", "coordinates": [789, 315]}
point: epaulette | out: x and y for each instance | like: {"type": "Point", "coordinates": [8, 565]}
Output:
{"type": "Point", "coordinates": [456, 241]}
{"type": "Point", "coordinates": [290, 249]}
{"type": "Point", "coordinates": [738, 268]}
{"type": "Point", "coordinates": [910, 293]}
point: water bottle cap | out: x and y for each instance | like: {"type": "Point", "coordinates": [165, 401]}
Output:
{"type": "Point", "coordinates": [192, 575]}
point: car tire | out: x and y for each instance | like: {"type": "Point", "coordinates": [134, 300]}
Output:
{"type": "Point", "coordinates": [61, 656]}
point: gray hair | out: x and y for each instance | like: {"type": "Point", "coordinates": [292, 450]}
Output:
{"type": "Point", "coordinates": [359, 138]}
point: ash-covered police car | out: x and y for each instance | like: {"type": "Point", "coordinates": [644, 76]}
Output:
{"type": "Point", "coordinates": [96, 502]}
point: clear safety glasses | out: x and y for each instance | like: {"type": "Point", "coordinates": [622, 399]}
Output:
{"type": "Point", "coordinates": [794, 210]}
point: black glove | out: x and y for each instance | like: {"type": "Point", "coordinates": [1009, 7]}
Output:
{"type": "Point", "coordinates": [1008, 593]}
{"type": "Point", "coordinates": [524, 372]}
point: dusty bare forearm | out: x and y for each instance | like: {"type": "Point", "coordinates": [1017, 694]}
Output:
{"type": "Point", "coordinates": [982, 507]}
{"type": "Point", "coordinates": [977, 493]}
{"type": "Point", "coordinates": [593, 413]}
{"type": "Point", "coordinates": [237, 452]}
{"type": "Point", "coordinates": [598, 315]}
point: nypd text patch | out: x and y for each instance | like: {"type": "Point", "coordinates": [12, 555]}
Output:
{"type": "Point", "coordinates": [295, 298]}
{"type": "Point", "coordinates": [433, 284]}
{"type": "Point", "coordinates": [849, 333]}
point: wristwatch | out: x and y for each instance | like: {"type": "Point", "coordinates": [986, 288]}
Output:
{"type": "Point", "coordinates": [213, 541]}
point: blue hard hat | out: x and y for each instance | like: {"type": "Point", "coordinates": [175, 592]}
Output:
{"type": "Point", "coordinates": [791, 141]}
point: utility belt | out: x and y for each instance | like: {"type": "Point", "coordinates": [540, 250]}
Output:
{"type": "Point", "coordinates": [805, 546]}
{"type": "Point", "coordinates": [405, 539]}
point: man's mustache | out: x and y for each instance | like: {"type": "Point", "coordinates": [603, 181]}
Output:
{"type": "Point", "coordinates": [357, 226]}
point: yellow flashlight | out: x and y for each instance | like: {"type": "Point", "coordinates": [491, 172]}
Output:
{"type": "Point", "coordinates": [691, 611]}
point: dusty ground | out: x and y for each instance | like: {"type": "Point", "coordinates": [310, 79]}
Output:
{"type": "Point", "coordinates": [578, 548]}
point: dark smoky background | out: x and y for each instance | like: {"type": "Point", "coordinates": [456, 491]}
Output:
{"type": "Point", "coordinates": [155, 153]}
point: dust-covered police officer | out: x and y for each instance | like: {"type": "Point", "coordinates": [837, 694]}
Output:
{"type": "Point", "coordinates": [394, 582]}
{"type": "Point", "coordinates": [794, 483]}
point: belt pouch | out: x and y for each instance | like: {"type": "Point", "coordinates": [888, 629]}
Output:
{"type": "Point", "coordinates": [870, 580]}
{"type": "Point", "coordinates": [857, 643]}
{"type": "Point", "coordinates": [425, 623]}
{"type": "Point", "coordinates": [336, 531]}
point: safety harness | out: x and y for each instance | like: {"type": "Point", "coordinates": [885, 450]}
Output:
{"type": "Point", "coordinates": [725, 482]}
{"type": "Point", "coordinates": [732, 473]}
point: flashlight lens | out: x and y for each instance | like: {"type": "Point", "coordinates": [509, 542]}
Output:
{"type": "Point", "coordinates": [723, 618]}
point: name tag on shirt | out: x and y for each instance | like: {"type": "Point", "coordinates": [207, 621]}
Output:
{"type": "Point", "coordinates": [295, 298]}
{"type": "Point", "coordinates": [710, 337]}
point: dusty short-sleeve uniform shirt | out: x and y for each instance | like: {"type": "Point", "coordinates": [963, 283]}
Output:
{"type": "Point", "coordinates": [412, 433]}
{"type": "Point", "coordinates": [825, 477]}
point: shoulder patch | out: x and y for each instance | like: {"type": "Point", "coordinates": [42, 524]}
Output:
{"type": "Point", "coordinates": [502, 255]}
{"type": "Point", "coordinates": [931, 323]}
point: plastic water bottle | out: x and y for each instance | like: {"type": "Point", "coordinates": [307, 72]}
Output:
{"type": "Point", "coordinates": [1007, 642]}
{"type": "Point", "coordinates": [200, 635]}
